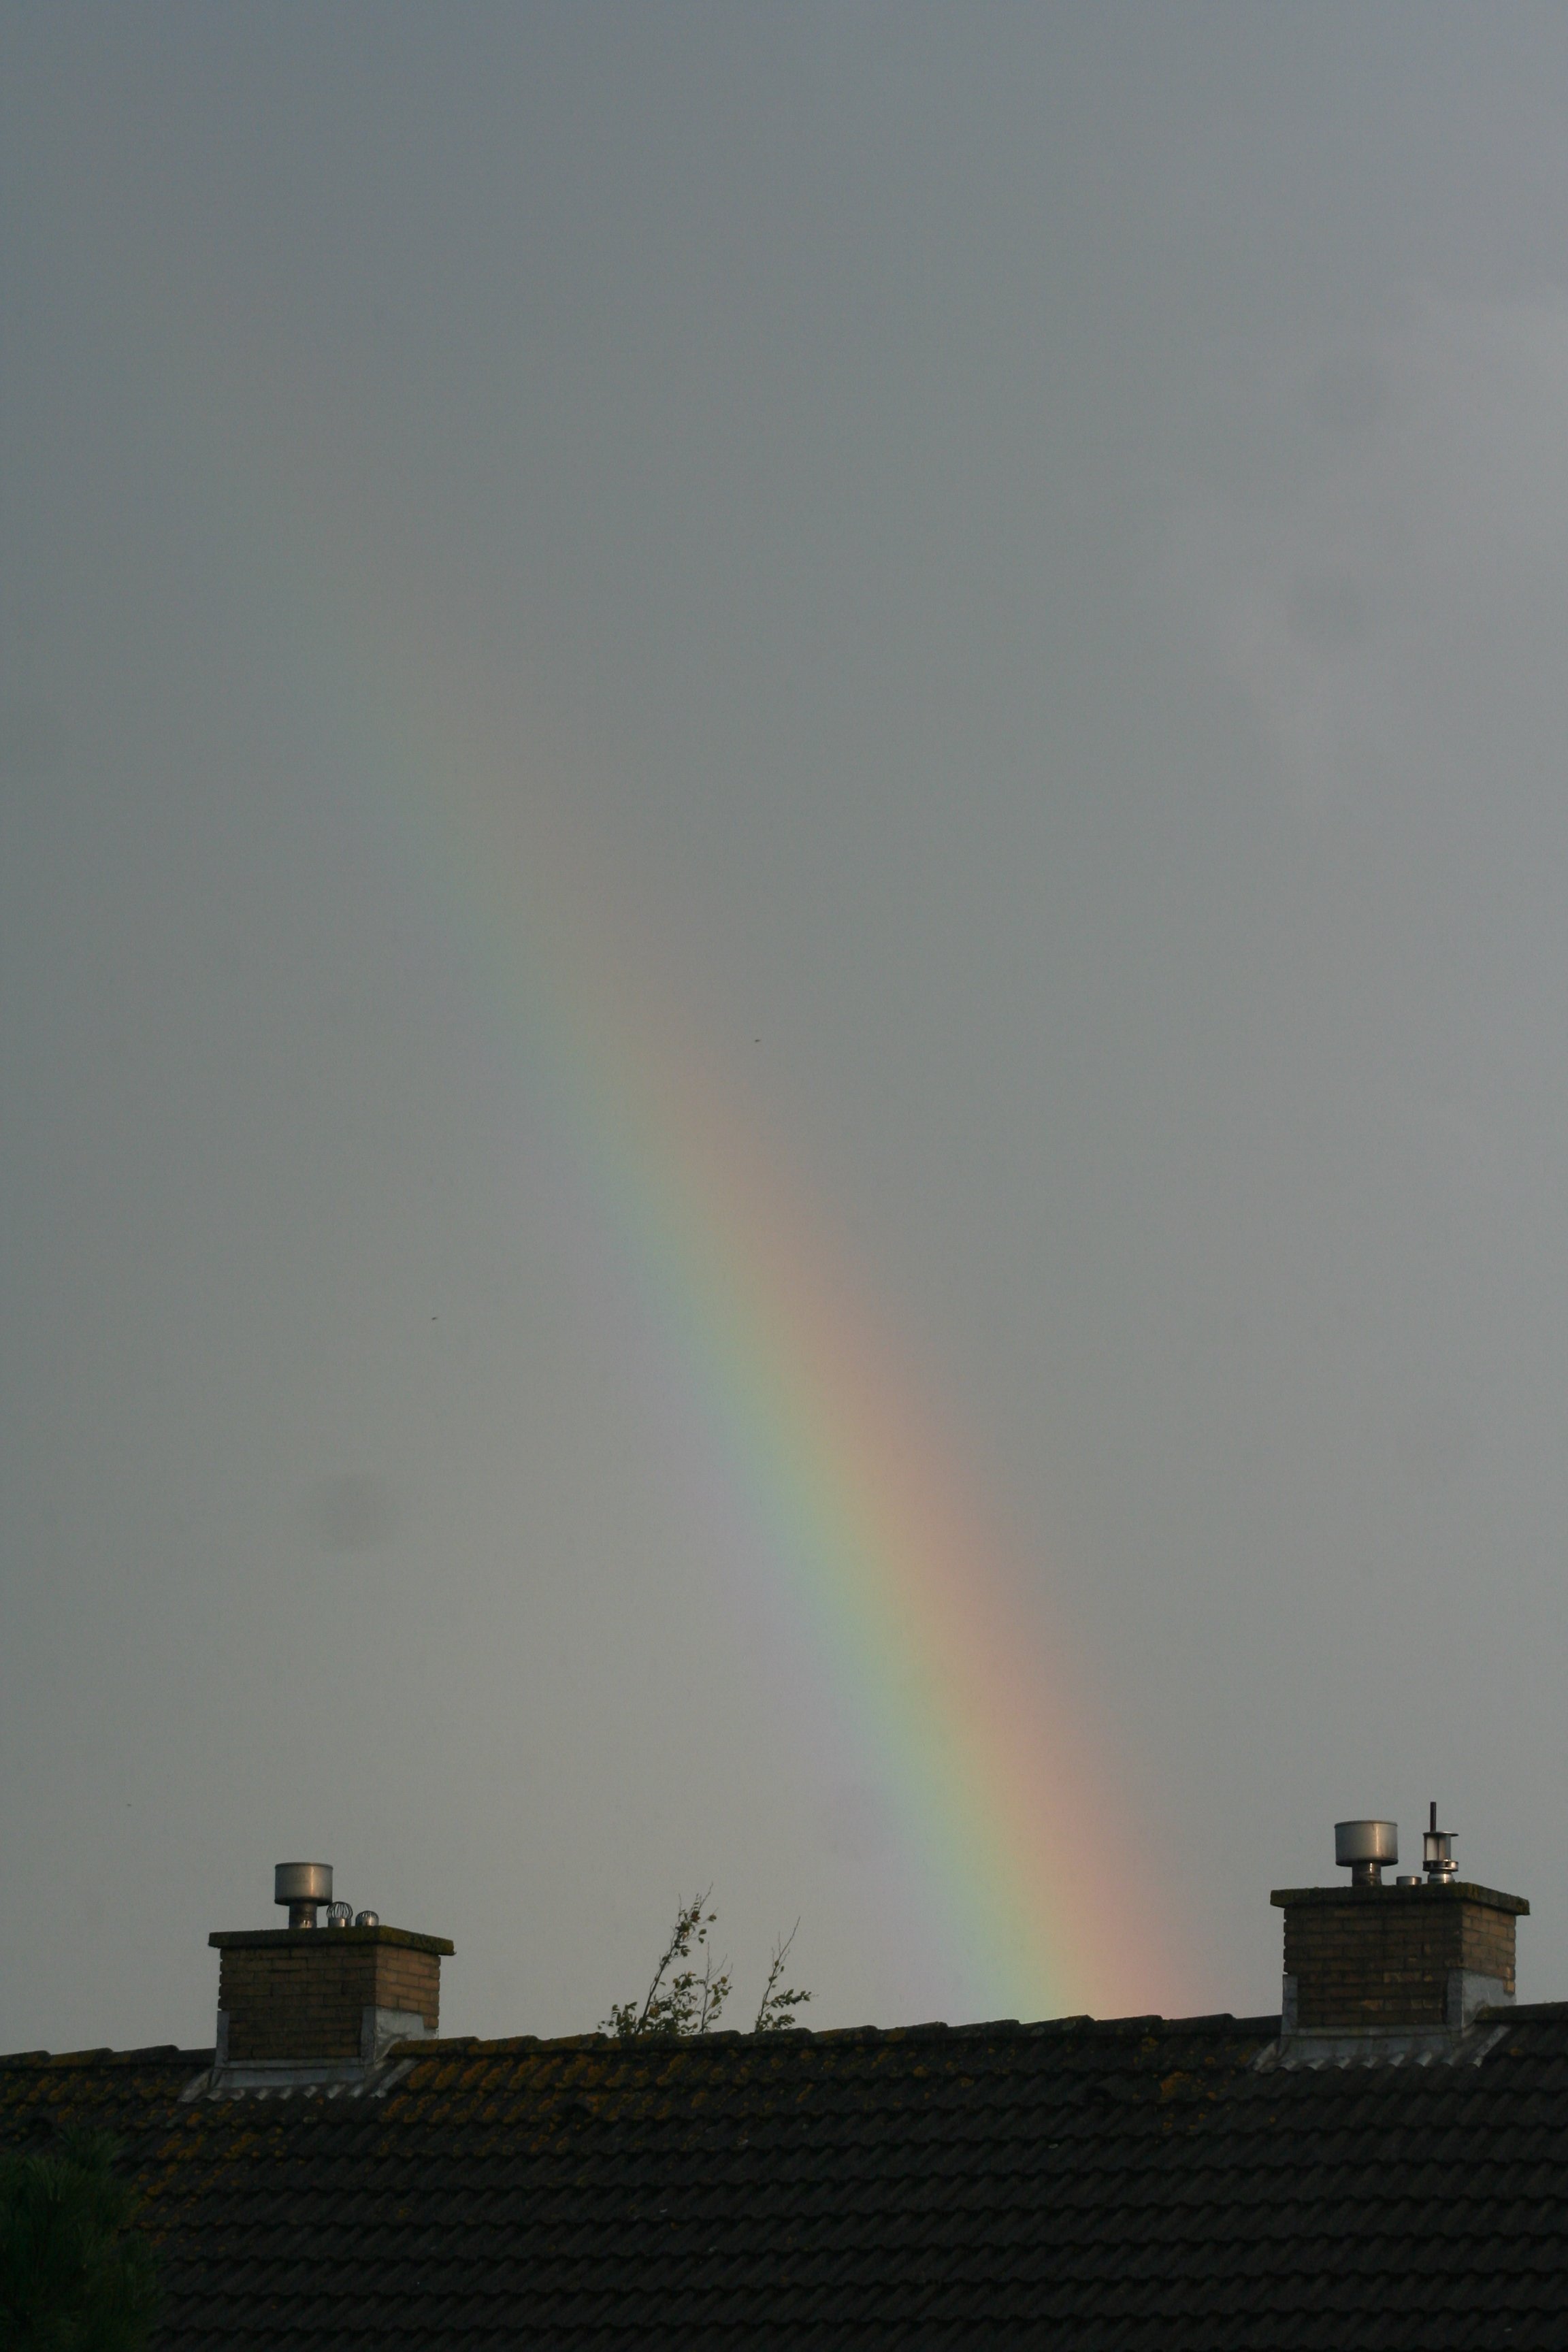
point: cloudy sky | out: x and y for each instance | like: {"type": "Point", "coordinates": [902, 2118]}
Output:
{"type": "Point", "coordinates": [782, 959]}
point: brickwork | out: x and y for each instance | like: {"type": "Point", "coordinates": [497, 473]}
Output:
{"type": "Point", "coordinates": [1382, 1956]}
{"type": "Point", "coordinates": [301, 1994]}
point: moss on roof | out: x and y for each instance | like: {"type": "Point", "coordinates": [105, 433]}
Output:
{"type": "Point", "coordinates": [1136, 2183]}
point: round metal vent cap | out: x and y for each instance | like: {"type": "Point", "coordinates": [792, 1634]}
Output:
{"type": "Point", "coordinates": [1365, 1847]}
{"type": "Point", "coordinates": [302, 1882]}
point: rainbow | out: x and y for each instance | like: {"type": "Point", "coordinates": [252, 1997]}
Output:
{"type": "Point", "coordinates": [969, 1717]}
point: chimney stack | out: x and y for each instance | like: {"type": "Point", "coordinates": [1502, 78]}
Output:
{"type": "Point", "coordinates": [318, 2004]}
{"type": "Point", "coordinates": [1368, 1967]}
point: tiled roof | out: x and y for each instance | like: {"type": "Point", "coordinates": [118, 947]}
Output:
{"type": "Point", "coordinates": [1083, 2186]}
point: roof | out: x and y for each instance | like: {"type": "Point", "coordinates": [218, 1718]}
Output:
{"type": "Point", "coordinates": [1077, 2185]}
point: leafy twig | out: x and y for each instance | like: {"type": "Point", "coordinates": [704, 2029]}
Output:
{"type": "Point", "coordinates": [776, 2011]}
{"type": "Point", "coordinates": [683, 1999]}
{"type": "Point", "coordinates": [690, 2000]}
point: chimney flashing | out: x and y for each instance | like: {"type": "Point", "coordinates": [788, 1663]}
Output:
{"type": "Point", "coordinates": [1417, 2045]}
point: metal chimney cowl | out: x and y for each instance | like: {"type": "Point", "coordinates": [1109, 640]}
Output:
{"type": "Point", "coordinates": [302, 1887]}
{"type": "Point", "coordinates": [1365, 1847]}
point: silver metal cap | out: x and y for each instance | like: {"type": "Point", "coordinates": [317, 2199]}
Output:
{"type": "Point", "coordinates": [1364, 1847]}
{"type": "Point", "coordinates": [1437, 1850]}
{"type": "Point", "coordinates": [302, 1885]}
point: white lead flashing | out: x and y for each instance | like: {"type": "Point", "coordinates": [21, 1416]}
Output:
{"type": "Point", "coordinates": [285, 2081]}
{"type": "Point", "coordinates": [1421, 2045]}
{"type": "Point", "coordinates": [379, 2031]}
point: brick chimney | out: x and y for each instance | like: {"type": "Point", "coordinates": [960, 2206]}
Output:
{"type": "Point", "coordinates": [306, 2003]}
{"type": "Point", "coordinates": [1411, 1963]}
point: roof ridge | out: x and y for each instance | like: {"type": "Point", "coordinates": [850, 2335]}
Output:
{"type": "Point", "coordinates": [1009, 2029]}
{"type": "Point", "coordinates": [929, 2030]}
{"type": "Point", "coordinates": [170, 2052]}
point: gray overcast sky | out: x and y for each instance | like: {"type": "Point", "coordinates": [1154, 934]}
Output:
{"type": "Point", "coordinates": [1005, 572]}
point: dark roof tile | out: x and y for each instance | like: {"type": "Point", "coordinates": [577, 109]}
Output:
{"type": "Point", "coordinates": [1085, 2186]}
